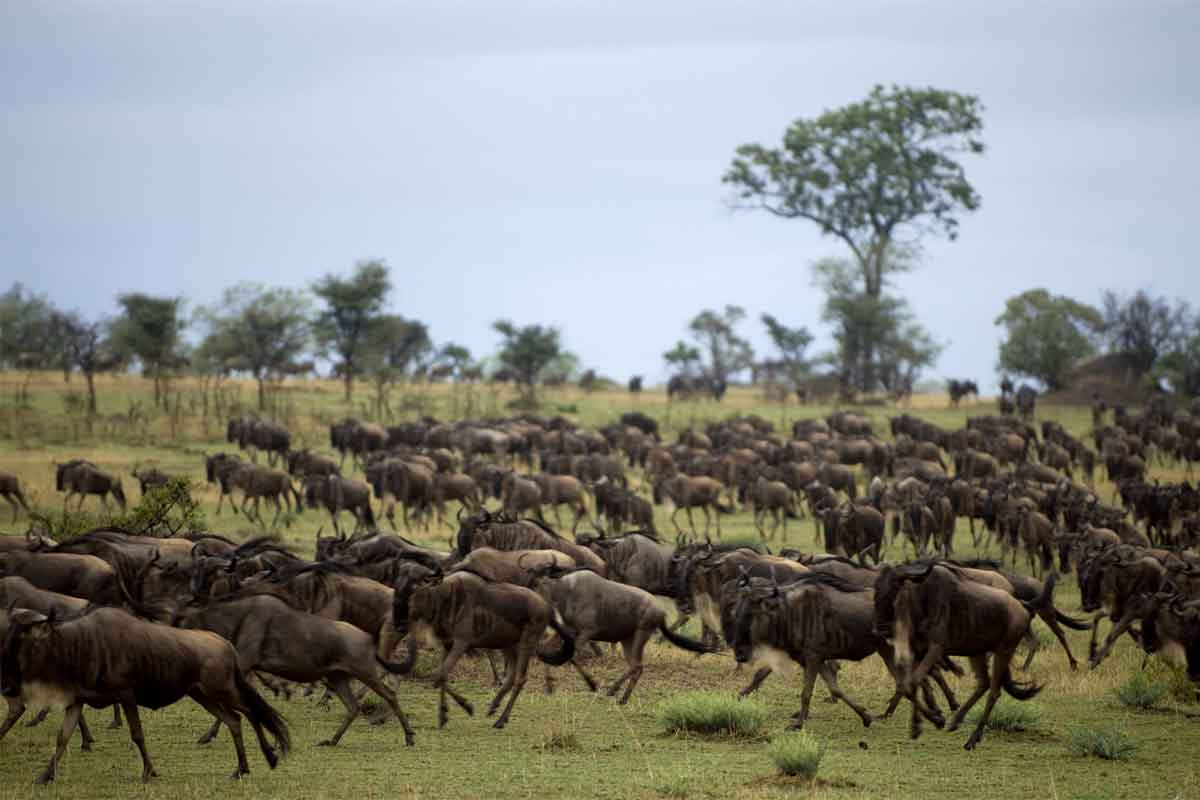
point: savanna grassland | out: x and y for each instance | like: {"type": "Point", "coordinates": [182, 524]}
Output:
{"type": "Point", "coordinates": [570, 743]}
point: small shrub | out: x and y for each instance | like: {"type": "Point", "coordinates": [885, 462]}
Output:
{"type": "Point", "coordinates": [560, 741]}
{"type": "Point", "coordinates": [1011, 716]}
{"type": "Point", "coordinates": [677, 786]}
{"type": "Point", "coordinates": [1108, 744]}
{"type": "Point", "coordinates": [1140, 691]}
{"type": "Point", "coordinates": [1179, 686]}
{"type": "Point", "coordinates": [797, 754]}
{"type": "Point", "coordinates": [712, 712]}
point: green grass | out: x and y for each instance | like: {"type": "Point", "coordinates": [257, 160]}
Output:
{"type": "Point", "coordinates": [572, 743]}
{"type": "Point", "coordinates": [1009, 716]}
{"type": "Point", "coordinates": [797, 754]}
{"type": "Point", "coordinates": [713, 713]}
{"type": "Point", "coordinates": [1141, 692]}
{"type": "Point", "coordinates": [1109, 744]}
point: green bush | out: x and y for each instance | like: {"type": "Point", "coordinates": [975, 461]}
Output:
{"type": "Point", "coordinates": [797, 754]}
{"type": "Point", "coordinates": [1140, 691]}
{"type": "Point", "coordinates": [1108, 744]}
{"type": "Point", "coordinates": [712, 712]}
{"type": "Point", "coordinates": [1011, 716]}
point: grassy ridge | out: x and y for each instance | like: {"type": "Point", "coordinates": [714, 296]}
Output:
{"type": "Point", "coordinates": [573, 743]}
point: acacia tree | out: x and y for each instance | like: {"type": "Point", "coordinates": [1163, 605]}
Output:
{"type": "Point", "coordinates": [84, 349]}
{"type": "Point", "coordinates": [716, 334]}
{"type": "Point", "coordinates": [27, 339]}
{"type": "Point", "coordinates": [875, 174]}
{"type": "Point", "coordinates": [352, 306]}
{"type": "Point", "coordinates": [150, 329]}
{"type": "Point", "coordinates": [260, 330]}
{"type": "Point", "coordinates": [526, 351]}
{"type": "Point", "coordinates": [1142, 328]}
{"type": "Point", "coordinates": [792, 345]}
{"type": "Point", "coordinates": [455, 356]}
{"type": "Point", "coordinates": [396, 347]}
{"type": "Point", "coordinates": [682, 357]}
{"type": "Point", "coordinates": [1045, 335]}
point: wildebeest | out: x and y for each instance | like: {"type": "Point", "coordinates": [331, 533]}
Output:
{"type": "Point", "coordinates": [688, 492]}
{"type": "Point", "coordinates": [83, 576]}
{"type": "Point", "coordinates": [271, 637]}
{"type": "Point", "coordinates": [562, 490]}
{"type": "Point", "coordinates": [217, 470]}
{"type": "Point", "coordinates": [854, 530]}
{"type": "Point", "coordinates": [464, 612]}
{"type": "Point", "coordinates": [83, 478]}
{"type": "Point", "coordinates": [256, 482]}
{"type": "Point", "coordinates": [303, 463]}
{"type": "Point", "coordinates": [10, 490]}
{"type": "Point", "coordinates": [960, 389]}
{"type": "Point", "coordinates": [485, 530]}
{"type": "Point", "coordinates": [1026, 401]}
{"type": "Point", "coordinates": [107, 656]}
{"type": "Point", "coordinates": [599, 610]}
{"type": "Point", "coordinates": [150, 478]}
{"type": "Point", "coordinates": [774, 498]}
{"type": "Point", "coordinates": [930, 613]}
{"type": "Point", "coordinates": [253, 434]}
{"type": "Point", "coordinates": [1170, 628]}
{"type": "Point", "coordinates": [336, 494]}
{"type": "Point", "coordinates": [1115, 579]}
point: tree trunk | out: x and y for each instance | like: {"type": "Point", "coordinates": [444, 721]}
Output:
{"type": "Point", "coordinates": [91, 392]}
{"type": "Point", "coordinates": [348, 379]}
{"type": "Point", "coordinates": [262, 395]}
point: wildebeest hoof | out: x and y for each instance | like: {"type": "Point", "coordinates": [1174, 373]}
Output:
{"type": "Point", "coordinates": [953, 726]}
{"type": "Point", "coordinates": [44, 778]}
{"type": "Point", "coordinates": [237, 775]}
{"type": "Point", "coordinates": [408, 740]}
{"type": "Point", "coordinates": [831, 699]}
{"type": "Point", "coordinates": [867, 720]}
{"type": "Point", "coordinates": [499, 724]}
{"type": "Point", "coordinates": [146, 776]}
{"type": "Point", "coordinates": [114, 725]}
{"type": "Point", "coordinates": [327, 743]}
{"type": "Point", "coordinates": [795, 725]}
{"type": "Point", "coordinates": [272, 759]}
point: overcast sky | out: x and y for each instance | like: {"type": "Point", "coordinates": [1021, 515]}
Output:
{"type": "Point", "coordinates": [557, 161]}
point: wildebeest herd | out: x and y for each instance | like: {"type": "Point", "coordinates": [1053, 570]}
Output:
{"type": "Point", "coordinates": [114, 619]}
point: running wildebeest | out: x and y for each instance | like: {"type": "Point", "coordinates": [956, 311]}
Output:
{"type": "Point", "coordinates": [10, 490]}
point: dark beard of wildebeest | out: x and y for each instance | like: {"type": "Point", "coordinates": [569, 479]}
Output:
{"type": "Point", "coordinates": [336, 494]}
{"type": "Point", "coordinates": [1115, 578]}
{"type": "Point", "coordinates": [82, 478]}
{"type": "Point", "coordinates": [325, 589]}
{"type": "Point", "coordinates": [484, 530]}
{"type": "Point", "coordinates": [928, 613]}
{"type": "Point", "coordinates": [271, 637]}
{"type": "Point", "coordinates": [10, 490]}
{"type": "Point", "coordinates": [217, 469]}
{"type": "Point", "coordinates": [107, 656]}
{"type": "Point", "coordinates": [465, 612]}
{"type": "Point", "coordinates": [599, 610]}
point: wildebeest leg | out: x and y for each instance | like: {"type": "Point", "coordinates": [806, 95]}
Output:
{"type": "Point", "coordinates": [442, 682]}
{"type": "Point", "coordinates": [135, 733]}
{"type": "Point", "coordinates": [811, 670]}
{"type": "Point", "coordinates": [1000, 666]}
{"type": "Point", "coordinates": [830, 678]}
{"type": "Point", "coordinates": [1095, 634]}
{"type": "Point", "coordinates": [510, 660]}
{"type": "Point", "coordinates": [587, 678]}
{"type": "Point", "coordinates": [380, 688]}
{"type": "Point", "coordinates": [979, 666]}
{"type": "Point", "coordinates": [1118, 630]}
{"type": "Point", "coordinates": [634, 650]}
{"type": "Point", "coordinates": [678, 530]}
{"type": "Point", "coordinates": [15, 709]}
{"type": "Point", "coordinates": [1050, 617]}
{"type": "Point", "coordinates": [759, 676]}
{"type": "Point", "coordinates": [38, 718]}
{"type": "Point", "coordinates": [211, 733]}
{"type": "Point", "coordinates": [12, 503]}
{"type": "Point", "coordinates": [116, 720]}
{"type": "Point", "coordinates": [1032, 643]}
{"type": "Point", "coordinates": [340, 684]}
{"type": "Point", "coordinates": [692, 523]}
{"type": "Point", "coordinates": [85, 734]}
{"type": "Point", "coordinates": [278, 508]}
{"type": "Point", "coordinates": [940, 680]}
{"type": "Point", "coordinates": [519, 671]}
{"type": "Point", "coordinates": [491, 659]}
{"type": "Point", "coordinates": [70, 720]}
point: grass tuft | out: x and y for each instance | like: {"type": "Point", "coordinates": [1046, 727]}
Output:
{"type": "Point", "coordinates": [714, 713]}
{"type": "Point", "coordinates": [1140, 691]}
{"type": "Point", "coordinates": [1010, 716]}
{"type": "Point", "coordinates": [677, 786]}
{"type": "Point", "coordinates": [1110, 744]}
{"type": "Point", "coordinates": [797, 754]}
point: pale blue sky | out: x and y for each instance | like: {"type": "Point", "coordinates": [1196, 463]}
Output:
{"type": "Point", "coordinates": [560, 161]}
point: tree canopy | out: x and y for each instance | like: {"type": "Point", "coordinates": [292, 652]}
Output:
{"type": "Point", "coordinates": [1046, 335]}
{"type": "Point", "coordinates": [682, 357]}
{"type": "Point", "coordinates": [351, 306]}
{"type": "Point", "coordinates": [26, 331]}
{"type": "Point", "coordinates": [526, 351]}
{"type": "Point", "coordinates": [1142, 328]}
{"type": "Point", "coordinates": [874, 173]}
{"type": "Point", "coordinates": [260, 330]}
{"type": "Point", "coordinates": [716, 334]}
{"type": "Point", "coordinates": [150, 329]}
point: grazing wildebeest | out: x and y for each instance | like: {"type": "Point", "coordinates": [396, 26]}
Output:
{"type": "Point", "coordinates": [929, 612]}
{"type": "Point", "coordinates": [336, 494]}
{"type": "Point", "coordinates": [599, 610]}
{"type": "Point", "coordinates": [83, 478]}
{"type": "Point", "coordinates": [688, 492]}
{"type": "Point", "coordinates": [272, 637]}
{"type": "Point", "coordinates": [463, 612]}
{"type": "Point", "coordinates": [10, 490]}
{"type": "Point", "coordinates": [150, 478]}
{"type": "Point", "coordinates": [108, 656]}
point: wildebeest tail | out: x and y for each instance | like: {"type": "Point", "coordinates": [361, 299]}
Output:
{"type": "Point", "coordinates": [368, 514]}
{"type": "Point", "coordinates": [1071, 622]}
{"type": "Point", "coordinates": [684, 642]}
{"type": "Point", "coordinates": [1018, 690]}
{"type": "Point", "coordinates": [1046, 598]}
{"type": "Point", "coordinates": [260, 712]}
{"type": "Point", "coordinates": [722, 508]}
{"type": "Point", "coordinates": [395, 668]}
{"type": "Point", "coordinates": [566, 652]}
